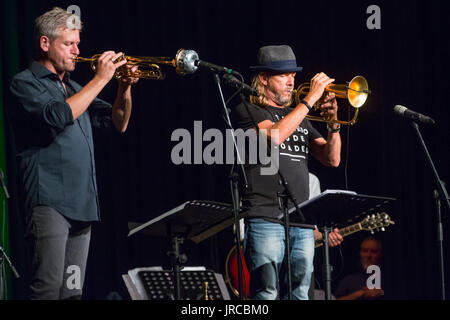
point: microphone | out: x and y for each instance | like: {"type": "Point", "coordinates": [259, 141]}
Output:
{"type": "Point", "coordinates": [187, 62]}
{"type": "Point", "coordinates": [406, 113]}
{"type": "Point", "coordinates": [214, 67]}
{"type": "Point", "coordinates": [238, 84]}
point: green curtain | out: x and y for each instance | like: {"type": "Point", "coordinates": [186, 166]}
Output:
{"type": "Point", "coordinates": [9, 57]}
{"type": "Point", "coordinates": [4, 234]}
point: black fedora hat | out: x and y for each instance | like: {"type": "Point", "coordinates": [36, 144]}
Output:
{"type": "Point", "coordinates": [276, 59]}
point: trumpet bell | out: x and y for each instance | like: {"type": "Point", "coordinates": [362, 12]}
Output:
{"type": "Point", "coordinates": [358, 91]}
{"type": "Point", "coordinates": [355, 92]}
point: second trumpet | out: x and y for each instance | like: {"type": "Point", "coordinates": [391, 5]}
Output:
{"type": "Point", "coordinates": [149, 67]}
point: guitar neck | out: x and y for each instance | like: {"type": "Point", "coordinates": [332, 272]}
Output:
{"type": "Point", "coordinates": [343, 232]}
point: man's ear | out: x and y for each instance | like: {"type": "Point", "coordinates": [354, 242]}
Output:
{"type": "Point", "coordinates": [264, 78]}
{"type": "Point", "coordinates": [44, 43]}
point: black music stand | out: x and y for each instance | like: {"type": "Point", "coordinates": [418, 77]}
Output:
{"type": "Point", "coordinates": [155, 283]}
{"type": "Point", "coordinates": [336, 207]}
{"type": "Point", "coordinates": [194, 220]}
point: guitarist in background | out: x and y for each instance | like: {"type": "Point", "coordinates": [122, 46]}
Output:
{"type": "Point", "coordinates": [353, 287]}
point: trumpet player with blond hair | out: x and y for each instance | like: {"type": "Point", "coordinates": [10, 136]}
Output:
{"type": "Point", "coordinates": [264, 242]}
{"type": "Point", "coordinates": [52, 118]}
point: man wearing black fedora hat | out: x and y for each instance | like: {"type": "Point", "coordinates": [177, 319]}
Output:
{"type": "Point", "coordinates": [295, 138]}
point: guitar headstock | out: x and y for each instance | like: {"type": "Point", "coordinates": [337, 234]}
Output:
{"type": "Point", "coordinates": [376, 222]}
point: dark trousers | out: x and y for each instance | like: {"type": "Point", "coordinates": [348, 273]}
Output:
{"type": "Point", "coordinates": [59, 248]}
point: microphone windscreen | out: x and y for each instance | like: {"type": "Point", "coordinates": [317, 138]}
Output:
{"type": "Point", "coordinates": [399, 109]}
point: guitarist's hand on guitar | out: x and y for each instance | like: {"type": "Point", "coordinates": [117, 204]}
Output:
{"type": "Point", "coordinates": [335, 238]}
{"type": "Point", "coordinates": [374, 222]}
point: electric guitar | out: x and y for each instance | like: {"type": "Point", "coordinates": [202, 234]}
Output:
{"type": "Point", "coordinates": [372, 223]}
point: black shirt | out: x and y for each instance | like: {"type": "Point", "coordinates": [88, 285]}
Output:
{"type": "Point", "coordinates": [55, 153]}
{"type": "Point", "coordinates": [354, 282]}
{"type": "Point", "coordinates": [261, 194]}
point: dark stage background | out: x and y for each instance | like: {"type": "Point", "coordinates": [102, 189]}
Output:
{"type": "Point", "coordinates": [405, 62]}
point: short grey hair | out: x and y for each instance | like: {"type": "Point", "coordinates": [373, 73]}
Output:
{"type": "Point", "coordinates": [49, 23]}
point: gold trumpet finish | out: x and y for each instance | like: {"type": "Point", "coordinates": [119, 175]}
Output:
{"type": "Point", "coordinates": [356, 92]}
{"type": "Point", "coordinates": [149, 66]}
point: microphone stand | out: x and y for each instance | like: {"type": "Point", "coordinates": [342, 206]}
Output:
{"type": "Point", "coordinates": [440, 193]}
{"type": "Point", "coordinates": [234, 177]}
{"type": "Point", "coordinates": [3, 254]}
{"type": "Point", "coordinates": [2, 182]}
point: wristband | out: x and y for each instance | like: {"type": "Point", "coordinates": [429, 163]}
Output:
{"type": "Point", "coordinates": [306, 104]}
{"type": "Point", "coordinates": [333, 130]}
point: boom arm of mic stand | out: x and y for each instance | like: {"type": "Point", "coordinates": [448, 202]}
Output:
{"type": "Point", "coordinates": [2, 182]}
{"type": "Point", "coordinates": [3, 253]}
{"type": "Point", "coordinates": [240, 163]}
{"type": "Point", "coordinates": [440, 184]}
{"type": "Point", "coordinates": [234, 190]}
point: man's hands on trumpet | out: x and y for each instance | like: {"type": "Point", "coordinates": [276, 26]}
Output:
{"type": "Point", "coordinates": [128, 81]}
{"type": "Point", "coordinates": [318, 84]}
{"type": "Point", "coordinates": [329, 107]}
{"type": "Point", "coordinates": [317, 87]}
{"type": "Point", "coordinates": [107, 66]}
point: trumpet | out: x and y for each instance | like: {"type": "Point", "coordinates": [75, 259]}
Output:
{"type": "Point", "coordinates": [356, 92]}
{"type": "Point", "coordinates": [150, 66]}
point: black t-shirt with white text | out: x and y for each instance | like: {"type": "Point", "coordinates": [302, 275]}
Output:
{"type": "Point", "coordinates": [261, 194]}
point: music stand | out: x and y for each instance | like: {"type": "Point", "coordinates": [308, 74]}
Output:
{"type": "Point", "coordinates": [334, 207]}
{"type": "Point", "coordinates": [195, 220]}
{"type": "Point", "coordinates": [155, 283]}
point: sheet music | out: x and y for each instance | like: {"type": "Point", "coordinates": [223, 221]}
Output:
{"type": "Point", "coordinates": [328, 191]}
{"type": "Point", "coordinates": [138, 284]}
{"type": "Point", "coordinates": [142, 226]}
